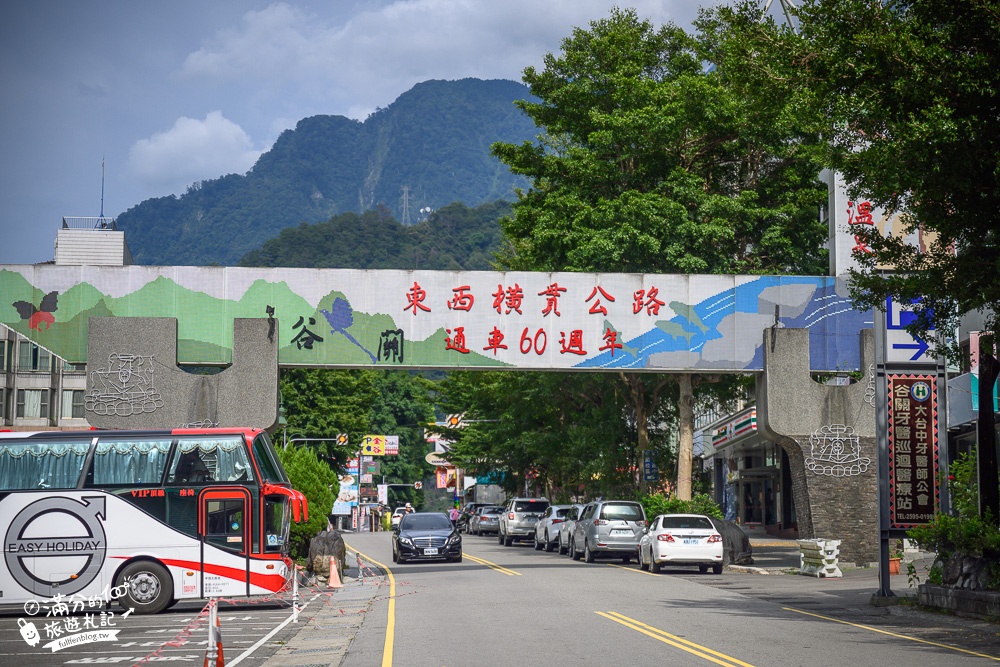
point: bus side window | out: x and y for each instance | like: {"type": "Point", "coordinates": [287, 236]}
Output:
{"type": "Point", "coordinates": [128, 462]}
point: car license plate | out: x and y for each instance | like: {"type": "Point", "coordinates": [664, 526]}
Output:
{"type": "Point", "coordinates": [691, 541]}
{"type": "Point", "coordinates": [621, 532]}
{"type": "Point", "coordinates": [430, 552]}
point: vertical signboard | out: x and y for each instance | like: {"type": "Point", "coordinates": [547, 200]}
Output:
{"type": "Point", "coordinates": [913, 449]}
{"type": "Point", "coordinates": [909, 401]}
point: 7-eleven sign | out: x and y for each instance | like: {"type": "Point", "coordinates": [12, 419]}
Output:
{"type": "Point", "coordinates": [373, 445]}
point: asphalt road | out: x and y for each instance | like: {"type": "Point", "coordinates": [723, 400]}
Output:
{"type": "Point", "coordinates": [516, 606]}
{"type": "Point", "coordinates": [177, 636]}
{"type": "Point", "coordinates": [513, 605]}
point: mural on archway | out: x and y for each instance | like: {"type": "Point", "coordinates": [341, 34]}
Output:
{"type": "Point", "coordinates": [403, 319]}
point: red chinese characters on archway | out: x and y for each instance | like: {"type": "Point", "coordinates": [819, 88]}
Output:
{"type": "Point", "coordinates": [462, 300]}
{"type": "Point", "coordinates": [510, 298]}
{"type": "Point", "coordinates": [646, 299]}
{"type": "Point", "coordinates": [597, 307]}
{"type": "Point", "coordinates": [860, 214]}
{"type": "Point", "coordinates": [552, 294]}
{"type": "Point", "coordinates": [456, 340]}
{"type": "Point", "coordinates": [415, 297]}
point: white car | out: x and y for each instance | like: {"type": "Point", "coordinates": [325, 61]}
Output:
{"type": "Point", "coordinates": [397, 516]}
{"type": "Point", "coordinates": [681, 539]}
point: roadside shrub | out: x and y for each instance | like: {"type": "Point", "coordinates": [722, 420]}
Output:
{"type": "Point", "coordinates": [319, 484]}
{"type": "Point", "coordinates": [700, 503]}
{"type": "Point", "coordinates": [963, 532]}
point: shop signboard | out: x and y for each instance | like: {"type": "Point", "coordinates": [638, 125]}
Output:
{"type": "Point", "coordinates": [913, 449]}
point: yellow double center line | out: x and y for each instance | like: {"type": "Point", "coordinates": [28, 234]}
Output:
{"type": "Point", "coordinates": [674, 640]}
{"type": "Point", "coordinates": [492, 566]}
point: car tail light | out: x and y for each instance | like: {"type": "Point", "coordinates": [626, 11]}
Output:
{"type": "Point", "coordinates": [510, 516]}
{"type": "Point", "coordinates": [715, 538]}
{"type": "Point", "coordinates": [555, 521]}
{"type": "Point", "coordinates": [665, 537]}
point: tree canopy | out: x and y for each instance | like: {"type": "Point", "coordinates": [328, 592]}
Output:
{"type": "Point", "coordinates": [654, 159]}
{"type": "Point", "coordinates": [905, 94]}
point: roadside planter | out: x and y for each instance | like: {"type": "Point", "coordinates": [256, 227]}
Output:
{"type": "Point", "coordinates": [819, 558]}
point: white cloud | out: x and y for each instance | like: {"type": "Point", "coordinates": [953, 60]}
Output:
{"type": "Point", "coordinates": [192, 150]}
{"type": "Point", "coordinates": [352, 64]}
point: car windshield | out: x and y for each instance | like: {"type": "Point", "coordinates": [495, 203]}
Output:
{"type": "Point", "coordinates": [622, 512]}
{"type": "Point", "coordinates": [687, 522]}
{"type": "Point", "coordinates": [425, 522]}
{"type": "Point", "coordinates": [530, 506]}
{"type": "Point", "coordinates": [492, 510]}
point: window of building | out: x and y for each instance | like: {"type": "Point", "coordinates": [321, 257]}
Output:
{"type": "Point", "coordinates": [3, 406]}
{"type": "Point", "coordinates": [33, 403]}
{"type": "Point", "coordinates": [5, 355]}
{"type": "Point", "coordinates": [33, 358]}
{"type": "Point", "coordinates": [72, 404]}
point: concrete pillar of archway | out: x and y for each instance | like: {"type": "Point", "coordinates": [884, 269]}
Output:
{"type": "Point", "coordinates": [133, 381]}
{"type": "Point", "coordinates": [828, 433]}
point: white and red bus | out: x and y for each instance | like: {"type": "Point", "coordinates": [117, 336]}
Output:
{"type": "Point", "coordinates": [162, 515]}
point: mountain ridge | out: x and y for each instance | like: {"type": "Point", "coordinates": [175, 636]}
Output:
{"type": "Point", "coordinates": [433, 140]}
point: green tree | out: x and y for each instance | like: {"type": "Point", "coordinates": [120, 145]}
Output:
{"type": "Point", "coordinates": [404, 408]}
{"type": "Point", "coordinates": [323, 403]}
{"type": "Point", "coordinates": [905, 95]}
{"type": "Point", "coordinates": [653, 162]}
{"type": "Point", "coordinates": [313, 478]}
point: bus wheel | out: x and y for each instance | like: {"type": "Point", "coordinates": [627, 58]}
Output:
{"type": "Point", "coordinates": [149, 588]}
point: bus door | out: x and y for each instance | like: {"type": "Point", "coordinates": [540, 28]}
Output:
{"type": "Point", "coordinates": [224, 522]}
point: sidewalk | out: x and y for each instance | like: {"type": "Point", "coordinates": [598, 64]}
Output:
{"type": "Point", "coordinates": [330, 621]}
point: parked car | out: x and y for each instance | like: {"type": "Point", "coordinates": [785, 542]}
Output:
{"type": "Point", "coordinates": [517, 522]}
{"type": "Point", "coordinates": [608, 528]}
{"type": "Point", "coordinates": [397, 514]}
{"type": "Point", "coordinates": [547, 528]}
{"type": "Point", "coordinates": [681, 539]}
{"type": "Point", "coordinates": [567, 526]}
{"type": "Point", "coordinates": [486, 520]}
{"type": "Point", "coordinates": [466, 515]}
{"type": "Point", "coordinates": [424, 536]}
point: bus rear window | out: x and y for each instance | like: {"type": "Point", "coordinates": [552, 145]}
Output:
{"type": "Point", "coordinates": [42, 465]}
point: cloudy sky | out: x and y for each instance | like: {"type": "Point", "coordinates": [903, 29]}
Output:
{"type": "Point", "coordinates": [166, 94]}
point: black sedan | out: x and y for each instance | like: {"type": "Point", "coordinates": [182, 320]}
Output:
{"type": "Point", "coordinates": [426, 536]}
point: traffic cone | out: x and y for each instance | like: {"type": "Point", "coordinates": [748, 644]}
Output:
{"type": "Point", "coordinates": [334, 579]}
{"type": "Point", "coordinates": [215, 637]}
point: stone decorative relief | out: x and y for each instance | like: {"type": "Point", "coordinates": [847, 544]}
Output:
{"type": "Point", "coordinates": [835, 450]}
{"type": "Point", "coordinates": [125, 386]}
{"type": "Point", "coordinates": [870, 389]}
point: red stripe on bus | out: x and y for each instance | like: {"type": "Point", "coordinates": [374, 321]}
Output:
{"type": "Point", "coordinates": [270, 582]}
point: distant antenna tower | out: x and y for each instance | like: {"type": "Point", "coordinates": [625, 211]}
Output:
{"type": "Point", "coordinates": [406, 205]}
{"type": "Point", "coordinates": [787, 6]}
{"type": "Point", "coordinates": [102, 222]}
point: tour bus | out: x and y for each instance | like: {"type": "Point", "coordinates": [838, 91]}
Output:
{"type": "Point", "coordinates": [146, 517]}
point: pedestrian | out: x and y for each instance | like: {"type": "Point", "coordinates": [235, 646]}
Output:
{"type": "Point", "coordinates": [453, 515]}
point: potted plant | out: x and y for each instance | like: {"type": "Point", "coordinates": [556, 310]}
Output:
{"type": "Point", "coordinates": [895, 556]}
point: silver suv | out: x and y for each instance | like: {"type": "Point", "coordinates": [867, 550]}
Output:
{"type": "Point", "coordinates": [519, 518]}
{"type": "Point", "coordinates": [608, 528]}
